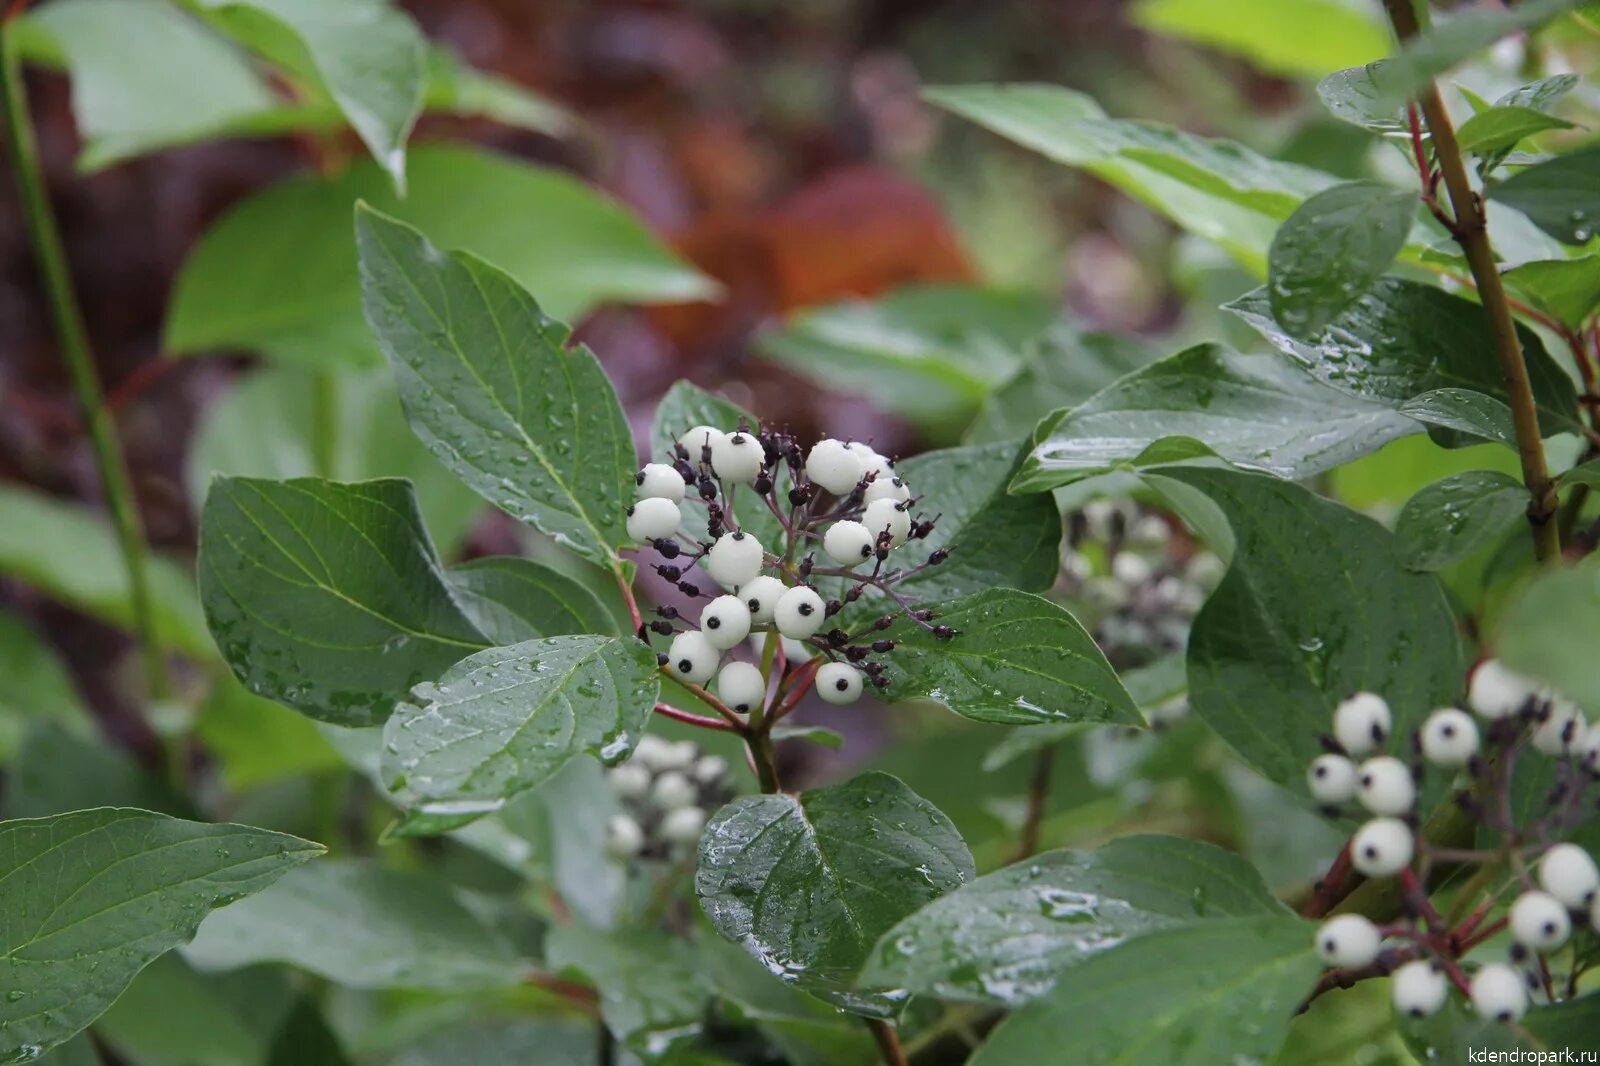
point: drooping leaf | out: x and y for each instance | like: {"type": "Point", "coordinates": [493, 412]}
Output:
{"type": "Point", "coordinates": [328, 596]}
{"type": "Point", "coordinates": [1451, 519]}
{"type": "Point", "coordinates": [1016, 659]}
{"type": "Point", "coordinates": [1315, 605]}
{"type": "Point", "coordinates": [278, 273]}
{"type": "Point", "coordinates": [1293, 37]}
{"type": "Point", "coordinates": [1220, 991]}
{"type": "Point", "coordinates": [489, 385]}
{"type": "Point", "coordinates": [1561, 195]}
{"type": "Point", "coordinates": [1403, 338]}
{"type": "Point", "coordinates": [1569, 289]}
{"type": "Point", "coordinates": [1259, 412]}
{"type": "Point", "coordinates": [502, 721]}
{"type": "Point", "coordinates": [37, 686]}
{"type": "Point", "coordinates": [651, 997]}
{"type": "Point", "coordinates": [88, 899]}
{"type": "Point", "coordinates": [362, 926]}
{"type": "Point", "coordinates": [1008, 936]}
{"type": "Point", "coordinates": [808, 883]}
{"type": "Point", "coordinates": [1332, 249]}
{"type": "Point", "coordinates": [1064, 367]}
{"type": "Point", "coordinates": [510, 599]}
{"type": "Point", "coordinates": [1543, 632]}
{"type": "Point", "coordinates": [1464, 411]}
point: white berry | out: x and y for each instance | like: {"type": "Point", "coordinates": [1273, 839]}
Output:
{"type": "Point", "coordinates": [1206, 569]}
{"type": "Point", "coordinates": [839, 683]}
{"type": "Point", "coordinates": [1563, 731]}
{"type": "Point", "coordinates": [672, 790]}
{"type": "Point", "coordinates": [696, 439]}
{"type": "Point", "coordinates": [683, 825]}
{"type": "Point", "coordinates": [734, 560]}
{"type": "Point", "coordinates": [848, 543]}
{"type": "Point", "coordinates": [1419, 989]}
{"type": "Point", "coordinates": [794, 650]}
{"type": "Point", "coordinates": [1496, 692]}
{"type": "Point", "coordinates": [660, 481]}
{"type": "Point", "coordinates": [710, 769]}
{"type": "Point", "coordinates": [1449, 738]}
{"type": "Point", "coordinates": [630, 781]}
{"type": "Point", "coordinates": [871, 461]}
{"type": "Point", "coordinates": [1382, 847]}
{"type": "Point", "coordinates": [1362, 723]}
{"type": "Point", "coordinates": [1499, 993]}
{"type": "Point", "coordinates": [834, 466]}
{"type": "Point", "coordinates": [679, 755]}
{"type": "Point", "coordinates": [886, 487]}
{"type": "Point", "coordinates": [737, 457]}
{"type": "Point", "coordinates": [623, 837]}
{"type": "Point", "coordinates": [652, 752]}
{"type": "Point", "coordinates": [1152, 530]}
{"type": "Point", "coordinates": [1348, 940]}
{"type": "Point", "coordinates": [741, 686]}
{"type": "Point", "coordinates": [1386, 786]}
{"type": "Point", "coordinates": [653, 518]}
{"type": "Point", "coordinates": [725, 621]}
{"type": "Point", "coordinates": [799, 613]}
{"type": "Point", "coordinates": [1568, 873]}
{"type": "Point", "coordinates": [887, 514]}
{"type": "Point", "coordinates": [1332, 779]}
{"type": "Point", "coordinates": [1130, 568]}
{"type": "Point", "coordinates": [760, 596]}
{"type": "Point", "coordinates": [692, 657]}
{"type": "Point", "coordinates": [1539, 921]}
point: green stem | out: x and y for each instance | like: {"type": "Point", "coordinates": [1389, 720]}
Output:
{"type": "Point", "coordinates": [67, 318]}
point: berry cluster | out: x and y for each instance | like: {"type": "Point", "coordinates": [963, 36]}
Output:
{"type": "Point", "coordinates": [665, 791]}
{"type": "Point", "coordinates": [1557, 884]}
{"type": "Point", "coordinates": [843, 499]}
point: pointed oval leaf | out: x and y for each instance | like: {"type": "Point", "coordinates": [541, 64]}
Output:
{"type": "Point", "coordinates": [1568, 289]}
{"type": "Point", "coordinates": [510, 599]}
{"type": "Point", "coordinates": [1064, 367]}
{"type": "Point", "coordinates": [1452, 518]}
{"type": "Point", "coordinates": [1331, 250]}
{"type": "Point", "coordinates": [1006, 937]}
{"type": "Point", "coordinates": [88, 899]}
{"type": "Point", "coordinates": [1501, 127]}
{"type": "Point", "coordinates": [504, 720]}
{"type": "Point", "coordinates": [1561, 195]}
{"type": "Point", "coordinates": [1464, 411]}
{"type": "Point", "coordinates": [807, 884]}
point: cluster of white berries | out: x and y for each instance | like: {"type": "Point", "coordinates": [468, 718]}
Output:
{"type": "Point", "coordinates": [665, 790]}
{"type": "Point", "coordinates": [867, 515]}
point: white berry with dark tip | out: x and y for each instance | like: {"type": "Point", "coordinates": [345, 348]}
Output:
{"type": "Point", "coordinates": [832, 464]}
{"type": "Point", "coordinates": [1539, 921]}
{"type": "Point", "coordinates": [1568, 873]}
{"type": "Point", "coordinates": [653, 518]}
{"type": "Point", "coordinates": [1563, 731]}
{"type": "Point", "coordinates": [683, 825]}
{"type": "Point", "coordinates": [630, 781]}
{"type": "Point", "coordinates": [848, 542]}
{"type": "Point", "coordinates": [1499, 993]}
{"type": "Point", "coordinates": [887, 514]}
{"type": "Point", "coordinates": [734, 560]}
{"type": "Point", "coordinates": [839, 683]}
{"type": "Point", "coordinates": [760, 596]}
{"type": "Point", "coordinates": [799, 612]}
{"type": "Point", "coordinates": [1496, 692]}
{"type": "Point", "coordinates": [1382, 848]}
{"type": "Point", "coordinates": [660, 481]}
{"type": "Point", "coordinates": [1386, 786]}
{"type": "Point", "coordinates": [736, 457]}
{"type": "Point", "coordinates": [725, 621]}
{"type": "Point", "coordinates": [1419, 989]}
{"type": "Point", "coordinates": [710, 769]}
{"type": "Point", "coordinates": [1332, 779]}
{"type": "Point", "coordinates": [623, 837]}
{"type": "Point", "coordinates": [672, 790]}
{"type": "Point", "coordinates": [1362, 723]}
{"type": "Point", "coordinates": [892, 487]}
{"type": "Point", "coordinates": [1348, 940]}
{"type": "Point", "coordinates": [871, 461]}
{"type": "Point", "coordinates": [741, 686]}
{"type": "Point", "coordinates": [1449, 738]}
{"type": "Point", "coordinates": [695, 440]}
{"type": "Point", "coordinates": [1131, 569]}
{"type": "Point", "coordinates": [692, 657]}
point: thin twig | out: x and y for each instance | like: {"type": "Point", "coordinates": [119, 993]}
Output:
{"type": "Point", "coordinates": [888, 1042]}
{"type": "Point", "coordinates": [1038, 799]}
{"type": "Point", "coordinates": [678, 714]}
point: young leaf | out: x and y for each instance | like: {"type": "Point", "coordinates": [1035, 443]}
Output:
{"type": "Point", "coordinates": [1331, 250]}
{"type": "Point", "coordinates": [1016, 659]}
{"type": "Point", "coordinates": [1315, 606]}
{"type": "Point", "coordinates": [1259, 412]}
{"type": "Point", "coordinates": [502, 721]}
{"type": "Point", "coordinates": [1499, 128]}
{"type": "Point", "coordinates": [808, 883]}
{"type": "Point", "coordinates": [511, 599]}
{"type": "Point", "coordinates": [1451, 519]}
{"type": "Point", "coordinates": [1403, 338]}
{"type": "Point", "coordinates": [1213, 992]}
{"type": "Point", "coordinates": [328, 596]}
{"type": "Point", "coordinates": [361, 926]}
{"type": "Point", "coordinates": [651, 996]}
{"type": "Point", "coordinates": [1464, 411]}
{"type": "Point", "coordinates": [1544, 632]}
{"type": "Point", "coordinates": [1561, 195]}
{"type": "Point", "coordinates": [1568, 289]}
{"type": "Point", "coordinates": [1008, 936]}
{"type": "Point", "coordinates": [490, 386]}
{"type": "Point", "coordinates": [1064, 367]}
{"type": "Point", "coordinates": [1306, 37]}
{"type": "Point", "coordinates": [88, 899]}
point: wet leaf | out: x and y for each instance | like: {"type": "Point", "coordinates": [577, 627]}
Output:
{"type": "Point", "coordinates": [1544, 632]}
{"type": "Point", "coordinates": [1464, 411]}
{"type": "Point", "coordinates": [1063, 368]}
{"type": "Point", "coordinates": [1331, 250]}
{"type": "Point", "coordinates": [1561, 195]}
{"type": "Point", "coordinates": [511, 599]}
{"type": "Point", "coordinates": [651, 996]}
{"type": "Point", "coordinates": [1568, 289]}
{"type": "Point", "coordinates": [1452, 518]}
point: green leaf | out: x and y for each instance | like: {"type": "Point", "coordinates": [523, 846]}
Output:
{"type": "Point", "coordinates": [1561, 196]}
{"type": "Point", "coordinates": [929, 352]}
{"type": "Point", "coordinates": [1064, 367]}
{"type": "Point", "coordinates": [91, 897]}
{"type": "Point", "coordinates": [304, 1039]}
{"type": "Point", "coordinates": [565, 820]}
{"type": "Point", "coordinates": [1016, 659]}
{"type": "Point", "coordinates": [1571, 1024]}
{"type": "Point", "coordinates": [366, 54]}
{"type": "Point", "coordinates": [1464, 411]}
{"type": "Point", "coordinates": [257, 742]}
{"type": "Point", "coordinates": [1356, 96]}
{"type": "Point", "coordinates": [1545, 631]}
{"type": "Point", "coordinates": [1332, 249]}
{"type": "Point", "coordinates": [1007, 937]}
{"type": "Point", "coordinates": [504, 1042]}
{"type": "Point", "coordinates": [651, 997]}
{"type": "Point", "coordinates": [1315, 606]}
{"type": "Point", "coordinates": [172, 1013]}
{"type": "Point", "coordinates": [37, 686]}
{"type": "Point", "coordinates": [126, 105]}
{"type": "Point", "coordinates": [1260, 412]}
{"type": "Point", "coordinates": [1502, 127]}
{"type": "Point", "coordinates": [1219, 991]}
{"type": "Point", "coordinates": [361, 926]}
{"type": "Point", "coordinates": [805, 1029]}
{"type": "Point", "coordinates": [1568, 289]}
{"type": "Point", "coordinates": [807, 884]}
{"type": "Point", "coordinates": [58, 770]}
{"type": "Point", "coordinates": [1403, 338]}
{"type": "Point", "coordinates": [72, 555]}
{"type": "Point", "coordinates": [812, 734]}
{"type": "Point", "coordinates": [1586, 474]}
{"type": "Point", "coordinates": [1293, 37]}
{"type": "Point", "coordinates": [489, 385]}
{"type": "Point", "coordinates": [685, 406]}
{"type": "Point", "coordinates": [511, 599]}
{"type": "Point", "coordinates": [278, 273]}
{"type": "Point", "coordinates": [458, 89]}
{"type": "Point", "coordinates": [1218, 190]}
{"type": "Point", "coordinates": [504, 720]}
{"type": "Point", "coordinates": [1451, 519]}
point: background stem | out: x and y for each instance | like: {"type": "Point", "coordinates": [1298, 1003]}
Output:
{"type": "Point", "coordinates": [67, 318]}
{"type": "Point", "coordinates": [888, 1042]}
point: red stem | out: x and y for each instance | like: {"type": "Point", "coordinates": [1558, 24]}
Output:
{"type": "Point", "coordinates": [798, 684]}
{"type": "Point", "coordinates": [139, 381]}
{"type": "Point", "coordinates": [1330, 890]}
{"type": "Point", "coordinates": [678, 714]}
{"type": "Point", "coordinates": [628, 597]}
{"type": "Point", "coordinates": [1483, 934]}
